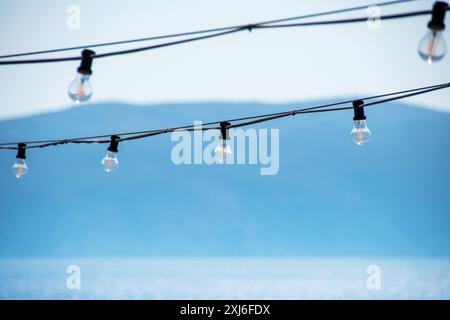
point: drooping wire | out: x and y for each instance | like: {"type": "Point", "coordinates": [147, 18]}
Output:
{"type": "Point", "coordinates": [235, 119]}
{"type": "Point", "coordinates": [253, 120]}
{"type": "Point", "coordinates": [191, 33]}
{"type": "Point", "coordinates": [122, 52]}
{"type": "Point", "coordinates": [248, 27]}
{"type": "Point", "coordinates": [345, 21]}
{"type": "Point", "coordinates": [327, 109]}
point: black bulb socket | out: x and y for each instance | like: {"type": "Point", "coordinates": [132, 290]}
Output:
{"type": "Point", "coordinates": [87, 56]}
{"type": "Point", "coordinates": [21, 148]}
{"type": "Point", "coordinates": [438, 16]}
{"type": "Point", "coordinates": [224, 131]}
{"type": "Point", "coordinates": [358, 108]}
{"type": "Point", "coordinates": [113, 146]}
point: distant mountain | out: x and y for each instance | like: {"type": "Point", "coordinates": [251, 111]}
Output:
{"type": "Point", "coordinates": [330, 197]}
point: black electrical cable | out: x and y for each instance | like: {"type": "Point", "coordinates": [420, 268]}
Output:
{"type": "Point", "coordinates": [406, 95]}
{"type": "Point", "coordinates": [338, 11]}
{"type": "Point", "coordinates": [191, 33]}
{"type": "Point", "coordinates": [238, 29]}
{"type": "Point", "coordinates": [255, 119]}
{"type": "Point", "coordinates": [122, 52]}
{"type": "Point", "coordinates": [340, 103]}
{"type": "Point", "coordinates": [317, 110]}
{"type": "Point", "coordinates": [73, 140]}
{"type": "Point", "coordinates": [342, 21]}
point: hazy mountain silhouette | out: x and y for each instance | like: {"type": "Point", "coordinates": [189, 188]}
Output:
{"type": "Point", "coordinates": [330, 197]}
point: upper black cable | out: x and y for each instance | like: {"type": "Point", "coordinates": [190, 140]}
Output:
{"type": "Point", "coordinates": [343, 21]}
{"type": "Point", "coordinates": [228, 30]}
{"type": "Point", "coordinates": [115, 53]}
{"type": "Point", "coordinates": [191, 33]}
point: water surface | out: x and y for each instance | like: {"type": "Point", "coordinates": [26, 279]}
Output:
{"type": "Point", "coordinates": [225, 278]}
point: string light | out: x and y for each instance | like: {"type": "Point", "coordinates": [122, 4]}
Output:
{"type": "Point", "coordinates": [223, 152]}
{"type": "Point", "coordinates": [360, 133]}
{"type": "Point", "coordinates": [20, 168]}
{"type": "Point", "coordinates": [80, 89]}
{"type": "Point", "coordinates": [110, 161]}
{"type": "Point", "coordinates": [196, 32]}
{"type": "Point", "coordinates": [438, 12]}
{"type": "Point", "coordinates": [432, 47]}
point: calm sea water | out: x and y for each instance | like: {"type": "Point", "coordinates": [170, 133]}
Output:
{"type": "Point", "coordinates": [225, 278]}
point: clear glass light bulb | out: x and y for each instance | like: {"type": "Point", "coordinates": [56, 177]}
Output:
{"type": "Point", "coordinates": [432, 47]}
{"type": "Point", "coordinates": [110, 161]}
{"type": "Point", "coordinates": [20, 168]}
{"type": "Point", "coordinates": [360, 132]}
{"type": "Point", "coordinates": [223, 152]}
{"type": "Point", "coordinates": [80, 89]}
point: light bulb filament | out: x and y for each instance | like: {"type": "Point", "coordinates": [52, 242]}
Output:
{"type": "Point", "coordinates": [432, 47]}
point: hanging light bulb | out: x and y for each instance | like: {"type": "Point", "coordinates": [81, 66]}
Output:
{"type": "Point", "coordinates": [80, 89]}
{"type": "Point", "coordinates": [110, 161]}
{"type": "Point", "coordinates": [20, 168]}
{"type": "Point", "coordinates": [360, 133]}
{"type": "Point", "coordinates": [432, 47]}
{"type": "Point", "coordinates": [223, 152]}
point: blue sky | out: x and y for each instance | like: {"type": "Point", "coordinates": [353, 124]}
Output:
{"type": "Point", "coordinates": [335, 212]}
{"type": "Point", "coordinates": [268, 66]}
